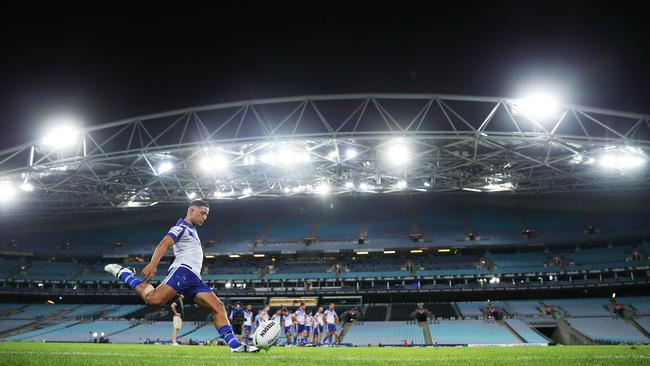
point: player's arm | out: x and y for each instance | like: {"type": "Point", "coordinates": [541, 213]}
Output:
{"type": "Point", "coordinates": [150, 269]}
{"type": "Point", "coordinates": [336, 318]}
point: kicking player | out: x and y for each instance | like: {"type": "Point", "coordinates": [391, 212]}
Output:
{"type": "Point", "coordinates": [299, 321]}
{"type": "Point", "coordinates": [184, 275]}
{"type": "Point", "coordinates": [331, 319]}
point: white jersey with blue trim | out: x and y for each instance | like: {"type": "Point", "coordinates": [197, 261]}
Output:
{"type": "Point", "coordinates": [330, 316]}
{"type": "Point", "coordinates": [309, 320]}
{"type": "Point", "coordinates": [277, 318]}
{"type": "Point", "coordinates": [300, 316]}
{"type": "Point", "coordinates": [248, 316]}
{"type": "Point", "coordinates": [319, 318]}
{"type": "Point", "coordinates": [187, 247]}
{"type": "Point", "coordinates": [287, 320]}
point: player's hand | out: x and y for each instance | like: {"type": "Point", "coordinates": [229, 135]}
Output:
{"type": "Point", "coordinates": [149, 271]}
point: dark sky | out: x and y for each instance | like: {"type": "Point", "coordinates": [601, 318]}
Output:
{"type": "Point", "coordinates": [104, 64]}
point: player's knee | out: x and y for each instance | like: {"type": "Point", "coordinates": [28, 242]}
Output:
{"type": "Point", "coordinates": [155, 301]}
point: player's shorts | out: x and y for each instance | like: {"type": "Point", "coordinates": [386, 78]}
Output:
{"type": "Point", "coordinates": [318, 329]}
{"type": "Point", "coordinates": [300, 328]}
{"type": "Point", "coordinates": [287, 329]}
{"type": "Point", "coordinates": [308, 329]}
{"type": "Point", "coordinates": [331, 327]}
{"type": "Point", "coordinates": [177, 322]}
{"type": "Point", "coordinates": [185, 282]}
{"type": "Point", "coordinates": [248, 328]}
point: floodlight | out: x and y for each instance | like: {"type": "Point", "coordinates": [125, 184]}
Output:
{"type": "Point", "coordinates": [398, 154]}
{"type": "Point", "coordinates": [27, 187]}
{"type": "Point", "coordinates": [7, 192]}
{"type": "Point", "coordinates": [538, 105]}
{"type": "Point", "coordinates": [62, 134]}
{"type": "Point", "coordinates": [165, 167]}
{"type": "Point", "coordinates": [350, 153]}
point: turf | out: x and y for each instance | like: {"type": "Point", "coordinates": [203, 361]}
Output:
{"type": "Point", "coordinates": [14, 353]}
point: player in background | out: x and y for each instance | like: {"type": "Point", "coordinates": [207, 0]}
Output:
{"type": "Point", "coordinates": [184, 274]}
{"type": "Point", "coordinates": [177, 319]}
{"type": "Point", "coordinates": [309, 322]}
{"type": "Point", "coordinates": [248, 322]}
{"type": "Point", "coordinates": [319, 322]}
{"type": "Point", "coordinates": [331, 319]}
{"type": "Point", "coordinates": [298, 318]}
{"type": "Point", "coordinates": [287, 321]}
{"type": "Point", "coordinates": [237, 318]}
{"type": "Point", "coordinates": [277, 317]}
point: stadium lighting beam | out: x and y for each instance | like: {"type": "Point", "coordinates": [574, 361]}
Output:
{"type": "Point", "coordinates": [27, 187]}
{"type": "Point", "coordinates": [323, 189]}
{"type": "Point", "coordinates": [165, 167]}
{"type": "Point", "coordinates": [350, 153]}
{"type": "Point", "coordinates": [398, 153]}
{"type": "Point", "coordinates": [63, 133]}
{"type": "Point", "coordinates": [623, 158]}
{"type": "Point", "coordinates": [209, 164]}
{"type": "Point", "coordinates": [538, 105]}
{"type": "Point", "coordinates": [7, 192]}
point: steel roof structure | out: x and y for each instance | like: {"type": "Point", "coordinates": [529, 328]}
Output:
{"type": "Point", "coordinates": [334, 144]}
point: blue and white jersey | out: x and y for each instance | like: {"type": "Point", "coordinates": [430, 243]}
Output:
{"type": "Point", "coordinates": [187, 247]}
{"type": "Point", "coordinates": [261, 318]}
{"type": "Point", "coordinates": [287, 320]}
{"type": "Point", "coordinates": [330, 316]}
{"type": "Point", "coordinates": [319, 319]}
{"type": "Point", "coordinates": [277, 318]}
{"type": "Point", "coordinates": [235, 311]}
{"type": "Point", "coordinates": [300, 316]}
{"type": "Point", "coordinates": [309, 320]}
{"type": "Point", "coordinates": [248, 317]}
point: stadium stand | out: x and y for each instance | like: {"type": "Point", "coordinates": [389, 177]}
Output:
{"type": "Point", "coordinates": [608, 330]}
{"type": "Point", "coordinates": [385, 333]}
{"type": "Point", "coordinates": [472, 332]}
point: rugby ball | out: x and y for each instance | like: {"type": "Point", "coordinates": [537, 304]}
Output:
{"type": "Point", "coordinates": [266, 334]}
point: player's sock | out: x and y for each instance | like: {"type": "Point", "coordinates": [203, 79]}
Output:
{"type": "Point", "coordinates": [303, 341]}
{"type": "Point", "coordinates": [129, 279]}
{"type": "Point", "coordinates": [229, 336]}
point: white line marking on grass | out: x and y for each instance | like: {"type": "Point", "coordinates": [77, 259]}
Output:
{"type": "Point", "coordinates": [337, 358]}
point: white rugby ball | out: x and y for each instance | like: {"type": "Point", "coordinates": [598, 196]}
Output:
{"type": "Point", "coordinates": [266, 334]}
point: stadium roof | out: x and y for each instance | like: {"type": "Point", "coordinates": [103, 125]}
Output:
{"type": "Point", "coordinates": [330, 145]}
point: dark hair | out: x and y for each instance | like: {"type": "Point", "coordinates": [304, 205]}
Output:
{"type": "Point", "coordinates": [199, 203]}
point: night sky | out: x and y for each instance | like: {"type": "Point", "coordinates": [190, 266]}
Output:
{"type": "Point", "coordinates": [109, 63]}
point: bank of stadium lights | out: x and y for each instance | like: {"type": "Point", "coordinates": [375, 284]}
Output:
{"type": "Point", "coordinates": [7, 192]}
{"type": "Point", "coordinates": [537, 105]}
{"type": "Point", "coordinates": [622, 159]}
{"type": "Point", "coordinates": [213, 163]}
{"type": "Point", "coordinates": [164, 167]}
{"type": "Point", "coordinates": [191, 195]}
{"type": "Point", "coordinates": [398, 153]}
{"type": "Point", "coordinates": [401, 184]}
{"type": "Point", "coordinates": [323, 189]}
{"type": "Point", "coordinates": [349, 185]}
{"type": "Point", "coordinates": [62, 134]}
{"type": "Point", "coordinates": [247, 191]}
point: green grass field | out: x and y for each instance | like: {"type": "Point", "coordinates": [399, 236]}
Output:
{"type": "Point", "coordinates": [13, 353]}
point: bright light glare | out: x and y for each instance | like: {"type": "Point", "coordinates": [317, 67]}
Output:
{"type": "Point", "coordinates": [27, 187]}
{"type": "Point", "coordinates": [61, 136]}
{"type": "Point", "coordinates": [350, 153]}
{"type": "Point", "coordinates": [349, 185]}
{"type": "Point", "coordinates": [333, 154]}
{"type": "Point", "coordinates": [191, 195]}
{"type": "Point", "coordinates": [7, 192]}
{"type": "Point", "coordinates": [164, 167]}
{"type": "Point", "coordinates": [247, 191]}
{"type": "Point", "coordinates": [398, 154]}
{"type": "Point", "coordinates": [218, 162]}
{"type": "Point", "coordinates": [323, 189]}
{"type": "Point", "coordinates": [623, 159]}
{"type": "Point", "coordinates": [363, 186]}
{"type": "Point", "coordinates": [538, 105]}
{"type": "Point", "coordinates": [401, 184]}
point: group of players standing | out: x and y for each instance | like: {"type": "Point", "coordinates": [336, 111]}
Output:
{"type": "Point", "coordinates": [301, 327]}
